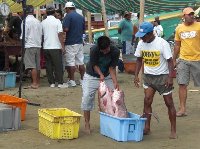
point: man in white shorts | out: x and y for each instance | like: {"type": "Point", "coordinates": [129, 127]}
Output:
{"type": "Point", "coordinates": [74, 26]}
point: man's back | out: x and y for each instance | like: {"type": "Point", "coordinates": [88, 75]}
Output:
{"type": "Point", "coordinates": [51, 27]}
{"type": "Point", "coordinates": [33, 32]}
{"type": "Point", "coordinates": [76, 28]}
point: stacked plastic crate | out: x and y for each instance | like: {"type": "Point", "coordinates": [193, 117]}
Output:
{"type": "Point", "coordinates": [10, 118]}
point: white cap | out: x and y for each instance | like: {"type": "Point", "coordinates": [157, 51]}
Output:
{"type": "Point", "coordinates": [69, 5]}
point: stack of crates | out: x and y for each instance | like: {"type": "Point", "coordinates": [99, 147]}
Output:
{"type": "Point", "coordinates": [15, 101]}
{"type": "Point", "coordinates": [10, 118]}
{"type": "Point", "coordinates": [59, 123]}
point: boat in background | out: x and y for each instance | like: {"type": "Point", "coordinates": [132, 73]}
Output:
{"type": "Point", "coordinates": [169, 21]}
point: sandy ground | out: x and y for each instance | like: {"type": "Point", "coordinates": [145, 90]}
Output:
{"type": "Point", "coordinates": [28, 136]}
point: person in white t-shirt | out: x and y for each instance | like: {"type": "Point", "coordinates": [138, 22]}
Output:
{"type": "Point", "coordinates": [33, 39]}
{"type": "Point", "coordinates": [158, 29]}
{"type": "Point", "coordinates": [53, 48]}
{"type": "Point", "coordinates": [158, 65]}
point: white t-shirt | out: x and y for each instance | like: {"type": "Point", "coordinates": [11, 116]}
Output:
{"type": "Point", "coordinates": [33, 32]}
{"type": "Point", "coordinates": [158, 31]}
{"type": "Point", "coordinates": [155, 55]}
{"type": "Point", "coordinates": [51, 27]}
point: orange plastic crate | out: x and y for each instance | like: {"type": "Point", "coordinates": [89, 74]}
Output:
{"type": "Point", "coordinates": [130, 67]}
{"type": "Point", "coordinates": [15, 101]}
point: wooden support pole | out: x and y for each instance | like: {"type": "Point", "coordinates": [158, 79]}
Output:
{"type": "Point", "coordinates": [89, 26]}
{"type": "Point", "coordinates": [142, 4]}
{"type": "Point", "coordinates": [38, 14]}
{"type": "Point", "coordinates": [104, 17]}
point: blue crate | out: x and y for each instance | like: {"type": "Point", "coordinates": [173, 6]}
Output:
{"type": "Point", "coordinates": [122, 129]}
{"type": "Point", "coordinates": [10, 79]}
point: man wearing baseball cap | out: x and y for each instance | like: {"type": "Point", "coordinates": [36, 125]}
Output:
{"type": "Point", "coordinates": [74, 26]}
{"type": "Point", "coordinates": [187, 46]}
{"type": "Point", "coordinates": [69, 5]}
{"type": "Point", "coordinates": [156, 54]}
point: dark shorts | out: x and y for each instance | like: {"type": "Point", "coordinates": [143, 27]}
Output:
{"type": "Point", "coordinates": [157, 82]}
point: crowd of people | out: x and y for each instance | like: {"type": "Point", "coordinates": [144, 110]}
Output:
{"type": "Point", "coordinates": [59, 54]}
{"type": "Point", "coordinates": [152, 51]}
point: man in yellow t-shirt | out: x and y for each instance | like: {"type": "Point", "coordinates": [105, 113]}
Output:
{"type": "Point", "coordinates": [187, 45]}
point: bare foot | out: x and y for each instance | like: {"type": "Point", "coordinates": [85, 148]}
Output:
{"type": "Point", "coordinates": [181, 114]}
{"type": "Point", "coordinates": [34, 86]}
{"type": "Point", "coordinates": [87, 129]}
{"type": "Point", "coordinates": [173, 136]}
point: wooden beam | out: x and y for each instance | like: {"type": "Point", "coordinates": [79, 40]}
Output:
{"type": "Point", "coordinates": [142, 4]}
{"type": "Point", "coordinates": [89, 26]}
{"type": "Point", "coordinates": [104, 17]}
{"type": "Point", "coordinates": [38, 14]}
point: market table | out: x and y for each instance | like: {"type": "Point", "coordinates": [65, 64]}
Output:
{"type": "Point", "coordinates": [10, 49]}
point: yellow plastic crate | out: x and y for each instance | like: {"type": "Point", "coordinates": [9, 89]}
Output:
{"type": "Point", "coordinates": [59, 123]}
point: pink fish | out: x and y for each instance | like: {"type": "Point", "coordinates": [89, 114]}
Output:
{"type": "Point", "coordinates": [118, 104]}
{"type": "Point", "coordinates": [105, 99]}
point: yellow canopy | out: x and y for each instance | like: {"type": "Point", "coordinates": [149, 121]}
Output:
{"type": "Point", "coordinates": [15, 7]}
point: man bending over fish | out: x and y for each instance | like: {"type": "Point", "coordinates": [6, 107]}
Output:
{"type": "Point", "coordinates": [101, 67]}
